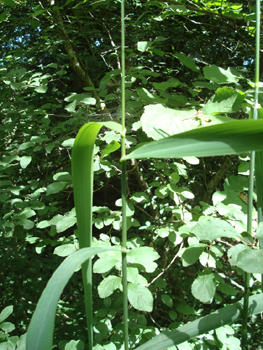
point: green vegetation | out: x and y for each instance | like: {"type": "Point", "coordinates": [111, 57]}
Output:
{"type": "Point", "coordinates": [176, 236]}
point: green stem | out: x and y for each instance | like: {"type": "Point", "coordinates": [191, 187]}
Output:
{"type": "Point", "coordinates": [251, 179]}
{"type": "Point", "coordinates": [123, 183]}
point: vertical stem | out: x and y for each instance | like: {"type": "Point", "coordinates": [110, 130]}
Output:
{"type": "Point", "coordinates": [251, 178]}
{"type": "Point", "coordinates": [249, 229]}
{"type": "Point", "coordinates": [123, 184]}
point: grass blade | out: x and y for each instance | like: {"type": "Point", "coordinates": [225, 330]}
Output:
{"type": "Point", "coordinates": [221, 317]}
{"type": "Point", "coordinates": [40, 331]}
{"type": "Point", "coordinates": [82, 176]}
{"type": "Point", "coordinates": [226, 138]}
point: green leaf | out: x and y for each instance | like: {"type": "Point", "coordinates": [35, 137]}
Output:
{"type": "Point", "coordinates": [9, 2]}
{"type": "Point", "coordinates": [6, 312]}
{"type": "Point", "coordinates": [65, 222]}
{"type": "Point", "coordinates": [203, 325]}
{"type": "Point", "coordinates": [41, 327]}
{"type": "Point", "coordinates": [71, 107]}
{"type": "Point", "coordinates": [187, 61]}
{"type": "Point", "coordinates": [25, 214]}
{"type": "Point", "coordinates": [140, 297]}
{"type": "Point", "coordinates": [170, 83]}
{"type": "Point", "coordinates": [88, 101]}
{"type": "Point", "coordinates": [25, 161]}
{"type": "Point", "coordinates": [226, 100]}
{"type": "Point", "coordinates": [211, 229]}
{"type": "Point", "coordinates": [75, 345]}
{"type": "Point", "coordinates": [144, 256]}
{"type": "Point", "coordinates": [27, 224]}
{"type": "Point", "coordinates": [56, 187]}
{"type": "Point", "coordinates": [106, 263]}
{"type": "Point", "coordinates": [204, 287]}
{"type": "Point", "coordinates": [250, 260]}
{"type": "Point", "coordinates": [167, 300]}
{"type": "Point", "coordinates": [192, 253]}
{"type": "Point", "coordinates": [227, 138]}
{"type": "Point", "coordinates": [234, 251]}
{"type": "Point", "coordinates": [109, 285]}
{"type": "Point", "coordinates": [68, 143]}
{"type": "Point", "coordinates": [226, 289]}
{"type": "Point", "coordinates": [63, 176]}
{"type": "Point", "coordinates": [65, 249]}
{"type": "Point", "coordinates": [159, 122]}
{"type": "Point", "coordinates": [219, 75]}
{"type": "Point", "coordinates": [146, 96]}
{"type": "Point", "coordinates": [111, 147]}
{"type": "Point", "coordinates": [260, 230]}
{"type": "Point", "coordinates": [140, 197]}
{"type": "Point", "coordinates": [143, 45]}
{"type": "Point", "coordinates": [26, 145]}
{"type": "Point", "coordinates": [7, 327]}
{"type": "Point", "coordinates": [41, 89]}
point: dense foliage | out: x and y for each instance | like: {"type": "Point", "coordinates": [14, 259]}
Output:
{"type": "Point", "coordinates": [188, 64]}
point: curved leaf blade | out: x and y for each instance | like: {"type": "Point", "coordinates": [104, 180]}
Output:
{"type": "Point", "coordinates": [226, 138]}
{"type": "Point", "coordinates": [40, 331]}
{"type": "Point", "coordinates": [221, 317]}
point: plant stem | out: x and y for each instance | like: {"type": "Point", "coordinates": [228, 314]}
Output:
{"type": "Point", "coordinates": [251, 178]}
{"type": "Point", "coordinates": [123, 184]}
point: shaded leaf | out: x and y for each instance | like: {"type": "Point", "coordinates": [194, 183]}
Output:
{"type": "Point", "coordinates": [192, 253]}
{"type": "Point", "coordinates": [56, 187]}
{"type": "Point", "coordinates": [187, 61]}
{"type": "Point", "coordinates": [6, 312]}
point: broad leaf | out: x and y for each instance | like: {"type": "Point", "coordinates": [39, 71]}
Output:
{"type": "Point", "coordinates": [140, 297]}
{"type": "Point", "coordinates": [250, 260]}
{"type": "Point", "coordinates": [143, 45]}
{"type": "Point", "coordinates": [219, 75]}
{"type": "Point", "coordinates": [192, 253]}
{"type": "Point", "coordinates": [144, 256]}
{"type": "Point", "coordinates": [187, 61]}
{"type": "Point", "coordinates": [6, 312]}
{"type": "Point", "coordinates": [211, 228]}
{"type": "Point", "coordinates": [65, 249]}
{"type": "Point", "coordinates": [111, 147]}
{"type": "Point", "coordinates": [167, 300]}
{"type": "Point", "coordinates": [109, 285]}
{"type": "Point", "coordinates": [226, 100]}
{"type": "Point", "coordinates": [25, 161]}
{"type": "Point", "coordinates": [106, 263]}
{"type": "Point", "coordinates": [204, 287]}
{"type": "Point", "coordinates": [159, 122]}
{"type": "Point", "coordinates": [56, 187]}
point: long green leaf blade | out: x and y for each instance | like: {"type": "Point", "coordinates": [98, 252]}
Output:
{"type": "Point", "coordinates": [40, 331]}
{"type": "Point", "coordinates": [82, 176]}
{"type": "Point", "coordinates": [221, 317]}
{"type": "Point", "coordinates": [226, 138]}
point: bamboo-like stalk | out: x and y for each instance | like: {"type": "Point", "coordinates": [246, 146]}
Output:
{"type": "Point", "coordinates": [251, 179]}
{"type": "Point", "coordinates": [123, 183]}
